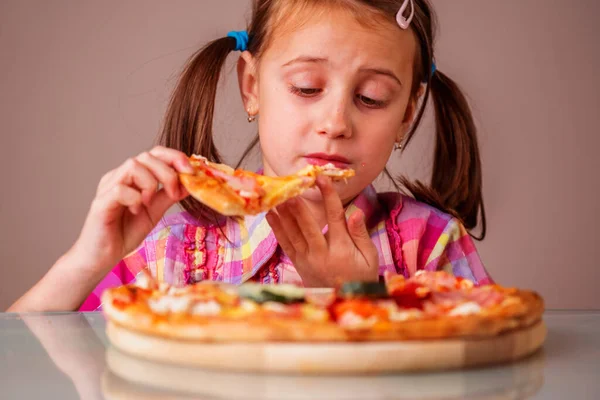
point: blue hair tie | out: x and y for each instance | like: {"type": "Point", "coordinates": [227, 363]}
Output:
{"type": "Point", "coordinates": [433, 69]}
{"type": "Point", "coordinates": [241, 40]}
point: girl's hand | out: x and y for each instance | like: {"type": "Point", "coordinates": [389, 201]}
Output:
{"type": "Point", "coordinates": [129, 203]}
{"type": "Point", "coordinates": [344, 253]}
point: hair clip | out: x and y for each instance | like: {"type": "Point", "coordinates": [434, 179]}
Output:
{"type": "Point", "coordinates": [403, 21]}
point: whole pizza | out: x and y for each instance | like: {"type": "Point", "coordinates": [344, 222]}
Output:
{"type": "Point", "coordinates": [432, 320]}
{"type": "Point", "coordinates": [429, 305]}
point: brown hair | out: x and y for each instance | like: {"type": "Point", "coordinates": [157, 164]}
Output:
{"type": "Point", "coordinates": [456, 182]}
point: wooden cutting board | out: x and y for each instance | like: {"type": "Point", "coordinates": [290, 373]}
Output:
{"type": "Point", "coordinates": [129, 377]}
{"type": "Point", "coordinates": [332, 358]}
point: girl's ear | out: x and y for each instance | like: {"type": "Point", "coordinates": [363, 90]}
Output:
{"type": "Point", "coordinates": [248, 81]}
{"type": "Point", "coordinates": [409, 114]}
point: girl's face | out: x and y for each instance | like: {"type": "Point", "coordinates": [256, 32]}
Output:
{"type": "Point", "coordinates": [332, 91]}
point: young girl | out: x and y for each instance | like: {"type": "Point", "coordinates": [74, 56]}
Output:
{"type": "Point", "coordinates": [337, 81]}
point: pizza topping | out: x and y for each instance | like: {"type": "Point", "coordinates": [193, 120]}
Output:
{"type": "Point", "coordinates": [206, 308]}
{"type": "Point", "coordinates": [124, 297]}
{"type": "Point", "coordinates": [282, 293]}
{"type": "Point", "coordinates": [248, 306]}
{"type": "Point", "coordinates": [283, 310]}
{"type": "Point", "coordinates": [411, 295]}
{"type": "Point", "coordinates": [351, 320]}
{"type": "Point", "coordinates": [485, 297]}
{"type": "Point", "coordinates": [245, 185]}
{"type": "Point", "coordinates": [447, 300]}
{"type": "Point", "coordinates": [223, 294]}
{"type": "Point", "coordinates": [314, 313]}
{"type": "Point", "coordinates": [361, 307]}
{"type": "Point", "coordinates": [173, 290]}
{"type": "Point", "coordinates": [168, 304]}
{"type": "Point", "coordinates": [275, 307]}
{"type": "Point", "coordinates": [145, 281]}
{"type": "Point", "coordinates": [464, 284]}
{"type": "Point", "coordinates": [373, 290]}
{"type": "Point", "coordinates": [320, 297]}
{"type": "Point", "coordinates": [470, 307]}
{"type": "Point", "coordinates": [328, 170]}
{"type": "Point", "coordinates": [436, 280]}
{"type": "Point", "coordinates": [395, 313]}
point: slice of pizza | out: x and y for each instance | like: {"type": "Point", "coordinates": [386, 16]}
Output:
{"type": "Point", "coordinates": [236, 192]}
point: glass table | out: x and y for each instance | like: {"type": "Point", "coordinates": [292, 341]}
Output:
{"type": "Point", "coordinates": [67, 356]}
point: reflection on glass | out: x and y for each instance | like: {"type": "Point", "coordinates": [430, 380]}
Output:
{"type": "Point", "coordinates": [74, 347]}
{"type": "Point", "coordinates": [128, 376]}
{"type": "Point", "coordinates": [98, 373]}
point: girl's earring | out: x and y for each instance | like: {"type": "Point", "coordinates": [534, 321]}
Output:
{"type": "Point", "coordinates": [251, 115]}
{"type": "Point", "coordinates": [398, 146]}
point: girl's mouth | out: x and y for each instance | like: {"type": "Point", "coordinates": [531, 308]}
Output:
{"type": "Point", "coordinates": [321, 159]}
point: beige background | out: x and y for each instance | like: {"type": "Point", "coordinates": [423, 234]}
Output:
{"type": "Point", "coordinates": [83, 85]}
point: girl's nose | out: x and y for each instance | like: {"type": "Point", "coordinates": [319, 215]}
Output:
{"type": "Point", "coordinates": [335, 120]}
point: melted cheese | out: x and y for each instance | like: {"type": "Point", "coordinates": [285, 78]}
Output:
{"type": "Point", "coordinates": [350, 319]}
{"type": "Point", "coordinates": [467, 308]}
{"type": "Point", "coordinates": [397, 314]}
{"type": "Point", "coordinates": [274, 306]}
{"type": "Point", "coordinates": [206, 308]}
{"type": "Point", "coordinates": [143, 280]}
{"type": "Point", "coordinates": [313, 313]}
{"type": "Point", "coordinates": [248, 306]}
{"type": "Point", "coordinates": [166, 304]}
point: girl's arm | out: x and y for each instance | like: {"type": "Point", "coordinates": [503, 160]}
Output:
{"type": "Point", "coordinates": [64, 287]}
{"type": "Point", "coordinates": [129, 202]}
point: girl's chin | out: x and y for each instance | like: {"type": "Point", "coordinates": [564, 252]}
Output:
{"type": "Point", "coordinates": [314, 194]}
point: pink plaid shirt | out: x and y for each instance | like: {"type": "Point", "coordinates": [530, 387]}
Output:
{"type": "Point", "coordinates": [409, 236]}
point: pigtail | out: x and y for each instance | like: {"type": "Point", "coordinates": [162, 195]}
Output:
{"type": "Point", "coordinates": [456, 182]}
{"type": "Point", "coordinates": [188, 123]}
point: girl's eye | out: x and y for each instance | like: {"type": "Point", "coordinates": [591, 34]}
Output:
{"type": "Point", "coordinates": [305, 92]}
{"type": "Point", "coordinates": [369, 102]}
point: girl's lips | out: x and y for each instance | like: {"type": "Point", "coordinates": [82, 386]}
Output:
{"type": "Point", "coordinates": [323, 159]}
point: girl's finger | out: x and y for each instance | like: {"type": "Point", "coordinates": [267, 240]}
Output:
{"type": "Point", "coordinates": [292, 230]}
{"type": "Point", "coordinates": [174, 158]}
{"type": "Point", "coordinates": [163, 173]}
{"type": "Point", "coordinates": [360, 236]}
{"type": "Point", "coordinates": [280, 234]}
{"type": "Point", "coordinates": [159, 206]}
{"type": "Point", "coordinates": [133, 173]}
{"type": "Point", "coordinates": [105, 181]}
{"type": "Point", "coordinates": [118, 197]}
{"type": "Point", "coordinates": [334, 209]}
{"type": "Point", "coordinates": [306, 222]}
